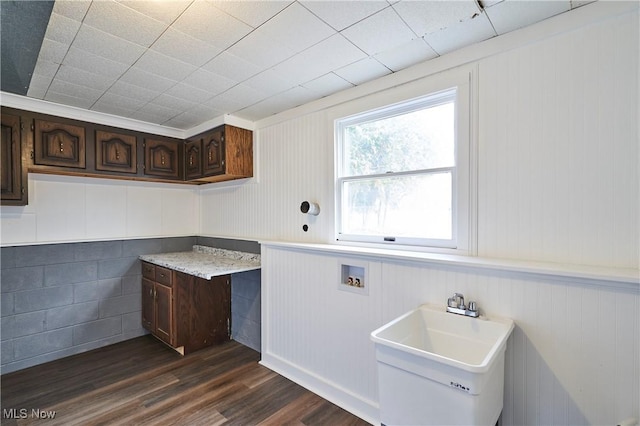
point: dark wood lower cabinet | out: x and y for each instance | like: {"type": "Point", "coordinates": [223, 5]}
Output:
{"type": "Point", "coordinates": [185, 311]}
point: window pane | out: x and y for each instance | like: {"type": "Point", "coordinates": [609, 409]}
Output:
{"type": "Point", "coordinates": [422, 139]}
{"type": "Point", "coordinates": [416, 206]}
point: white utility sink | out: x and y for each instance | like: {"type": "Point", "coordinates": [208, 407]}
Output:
{"type": "Point", "coordinates": [427, 348]}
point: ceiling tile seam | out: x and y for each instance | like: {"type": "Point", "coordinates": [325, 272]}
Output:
{"type": "Point", "coordinates": [416, 34]}
{"type": "Point", "coordinates": [352, 24]}
{"type": "Point", "coordinates": [484, 10]}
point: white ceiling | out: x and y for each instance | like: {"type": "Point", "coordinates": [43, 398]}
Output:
{"type": "Point", "coordinates": [181, 63]}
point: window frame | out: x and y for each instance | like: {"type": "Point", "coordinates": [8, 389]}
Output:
{"type": "Point", "coordinates": [431, 91]}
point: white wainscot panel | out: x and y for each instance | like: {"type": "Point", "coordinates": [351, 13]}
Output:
{"type": "Point", "coordinates": [60, 206]}
{"type": "Point", "coordinates": [106, 210]}
{"type": "Point", "coordinates": [572, 358]}
{"type": "Point", "coordinates": [17, 228]}
{"type": "Point", "coordinates": [144, 211]}
{"type": "Point", "coordinates": [316, 334]}
{"type": "Point", "coordinates": [180, 212]}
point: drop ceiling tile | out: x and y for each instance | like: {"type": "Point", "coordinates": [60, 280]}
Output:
{"type": "Point", "coordinates": [189, 93]}
{"type": "Point", "coordinates": [326, 56]}
{"type": "Point", "coordinates": [166, 11]}
{"type": "Point", "coordinates": [367, 36]}
{"type": "Point", "coordinates": [232, 67]}
{"type": "Point", "coordinates": [239, 95]}
{"type": "Point", "coordinates": [296, 28]}
{"type": "Point", "coordinates": [66, 99]}
{"type": "Point", "coordinates": [108, 108]}
{"type": "Point", "coordinates": [416, 51]}
{"type": "Point", "coordinates": [184, 48]}
{"type": "Point", "coordinates": [193, 117]}
{"type": "Point", "coordinates": [119, 102]}
{"type": "Point", "coordinates": [45, 69]}
{"type": "Point", "coordinates": [142, 78]}
{"type": "Point", "coordinates": [280, 102]}
{"type": "Point", "coordinates": [210, 82]}
{"type": "Point", "coordinates": [327, 84]}
{"type": "Point", "coordinates": [83, 60]}
{"type": "Point", "coordinates": [362, 71]}
{"type": "Point", "coordinates": [155, 113]}
{"type": "Point", "coordinates": [254, 13]}
{"type": "Point", "coordinates": [164, 66]}
{"type": "Point", "coordinates": [182, 121]}
{"type": "Point", "coordinates": [38, 86]}
{"type": "Point", "coordinates": [343, 14]}
{"type": "Point", "coordinates": [260, 50]}
{"type": "Point", "coordinates": [510, 15]}
{"type": "Point", "coordinates": [75, 10]}
{"type": "Point", "coordinates": [52, 51]}
{"type": "Point", "coordinates": [84, 78]}
{"type": "Point", "coordinates": [269, 83]}
{"type": "Point", "coordinates": [426, 17]}
{"type": "Point", "coordinates": [207, 23]}
{"type": "Point", "coordinates": [124, 22]}
{"type": "Point", "coordinates": [61, 29]}
{"type": "Point", "coordinates": [107, 46]}
{"type": "Point", "coordinates": [75, 90]}
{"type": "Point", "coordinates": [461, 34]}
{"type": "Point", "coordinates": [120, 88]}
{"type": "Point", "coordinates": [171, 102]}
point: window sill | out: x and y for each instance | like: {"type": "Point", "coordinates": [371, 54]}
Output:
{"type": "Point", "coordinates": [626, 278]}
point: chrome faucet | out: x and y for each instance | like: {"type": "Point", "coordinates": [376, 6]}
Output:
{"type": "Point", "coordinates": [456, 305]}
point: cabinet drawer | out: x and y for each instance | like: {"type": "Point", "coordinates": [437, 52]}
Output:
{"type": "Point", "coordinates": [163, 275]}
{"type": "Point", "coordinates": [148, 271]}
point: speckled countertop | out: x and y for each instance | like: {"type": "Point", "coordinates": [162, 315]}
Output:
{"type": "Point", "coordinates": [206, 262]}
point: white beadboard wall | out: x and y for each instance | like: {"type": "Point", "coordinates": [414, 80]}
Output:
{"type": "Point", "coordinates": [558, 157]}
{"type": "Point", "coordinates": [573, 358]}
{"type": "Point", "coordinates": [69, 209]}
{"type": "Point", "coordinates": [559, 149]}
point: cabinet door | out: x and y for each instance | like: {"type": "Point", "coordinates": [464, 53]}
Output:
{"type": "Point", "coordinates": [213, 152]}
{"type": "Point", "coordinates": [164, 313]}
{"type": "Point", "coordinates": [57, 144]}
{"type": "Point", "coordinates": [11, 156]}
{"type": "Point", "coordinates": [148, 305]}
{"type": "Point", "coordinates": [203, 311]}
{"type": "Point", "coordinates": [161, 158]}
{"type": "Point", "coordinates": [193, 159]}
{"type": "Point", "coordinates": [116, 152]}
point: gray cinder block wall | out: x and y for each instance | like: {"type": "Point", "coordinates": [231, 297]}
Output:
{"type": "Point", "coordinates": [62, 299]}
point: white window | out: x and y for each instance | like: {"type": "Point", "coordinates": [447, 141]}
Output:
{"type": "Point", "coordinates": [402, 173]}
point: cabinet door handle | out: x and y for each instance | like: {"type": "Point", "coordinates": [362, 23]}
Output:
{"type": "Point", "coordinates": [61, 146]}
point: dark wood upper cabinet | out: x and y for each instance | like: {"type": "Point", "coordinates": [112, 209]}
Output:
{"type": "Point", "coordinates": [193, 159]}
{"type": "Point", "coordinates": [116, 152]}
{"type": "Point", "coordinates": [14, 191]}
{"type": "Point", "coordinates": [225, 153]}
{"type": "Point", "coordinates": [162, 158]}
{"type": "Point", "coordinates": [58, 144]}
{"type": "Point", "coordinates": [213, 150]}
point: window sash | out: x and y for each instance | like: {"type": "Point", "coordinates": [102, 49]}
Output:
{"type": "Point", "coordinates": [397, 239]}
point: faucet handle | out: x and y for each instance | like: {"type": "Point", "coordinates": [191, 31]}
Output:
{"type": "Point", "coordinates": [451, 302]}
{"type": "Point", "coordinates": [473, 307]}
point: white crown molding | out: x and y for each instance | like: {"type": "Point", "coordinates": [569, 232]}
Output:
{"type": "Point", "coordinates": [46, 107]}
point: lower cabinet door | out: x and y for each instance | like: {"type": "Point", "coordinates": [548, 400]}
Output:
{"type": "Point", "coordinates": [164, 313]}
{"type": "Point", "coordinates": [148, 305]}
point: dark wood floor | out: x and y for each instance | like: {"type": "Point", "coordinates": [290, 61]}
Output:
{"type": "Point", "coordinates": [141, 381]}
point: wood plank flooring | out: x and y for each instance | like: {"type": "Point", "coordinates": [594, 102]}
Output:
{"type": "Point", "coordinates": [143, 382]}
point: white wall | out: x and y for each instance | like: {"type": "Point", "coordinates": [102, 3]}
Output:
{"type": "Point", "coordinates": [558, 154]}
{"type": "Point", "coordinates": [69, 209]}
